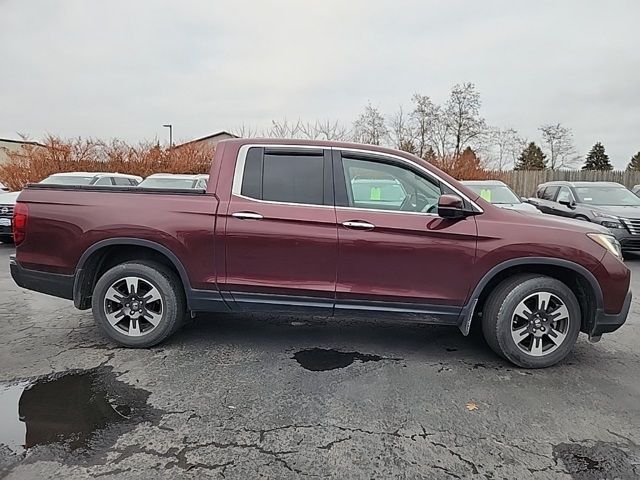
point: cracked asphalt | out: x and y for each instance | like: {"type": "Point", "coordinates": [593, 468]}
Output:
{"type": "Point", "coordinates": [227, 398]}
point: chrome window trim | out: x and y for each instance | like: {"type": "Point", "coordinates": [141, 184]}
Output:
{"type": "Point", "coordinates": [242, 156]}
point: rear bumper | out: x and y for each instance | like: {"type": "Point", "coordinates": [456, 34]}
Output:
{"type": "Point", "coordinates": [606, 322]}
{"type": "Point", "coordinates": [44, 282]}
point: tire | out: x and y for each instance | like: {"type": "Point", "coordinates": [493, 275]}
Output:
{"type": "Point", "coordinates": [581, 218]}
{"type": "Point", "coordinates": [145, 317]}
{"type": "Point", "coordinates": [6, 239]}
{"type": "Point", "coordinates": [557, 328]}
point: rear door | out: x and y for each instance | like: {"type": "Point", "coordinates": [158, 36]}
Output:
{"type": "Point", "coordinates": [546, 197]}
{"type": "Point", "coordinates": [281, 234]}
{"type": "Point", "coordinates": [396, 254]}
{"type": "Point", "coordinates": [564, 195]}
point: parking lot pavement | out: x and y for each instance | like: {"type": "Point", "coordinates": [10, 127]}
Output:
{"type": "Point", "coordinates": [248, 397]}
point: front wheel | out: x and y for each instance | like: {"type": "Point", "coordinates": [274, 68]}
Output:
{"type": "Point", "coordinates": [138, 304]}
{"type": "Point", "coordinates": [532, 320]}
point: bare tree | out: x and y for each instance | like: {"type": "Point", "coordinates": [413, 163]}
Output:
{"type": "Point", "coordinates": [402, 132]}
{"type": "Point", "coordinates": [325, 130]}
{"type": "Point", "coordinates": [422, 117]}
{"type": "Point", "coordinates": [247, 131]}
{"type": "Point", "coordinates": [558, 141]}
{"type": "Point", "coordinates": [370, 127]}
{"type": "Point", "coordinates": [503, 145]}
{"type": "Point", "coordinates": [462, 112]}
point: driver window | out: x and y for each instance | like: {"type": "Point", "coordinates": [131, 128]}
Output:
{"type": "Point", "coordinates": [383, 186]}
{"type": "Point", "coordinates": [564, 195]}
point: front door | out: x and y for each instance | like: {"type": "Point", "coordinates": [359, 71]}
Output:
{"type": "Point", "coordinates": [395, 254]}
{"type": "Point", "coordinates": [281, 235]}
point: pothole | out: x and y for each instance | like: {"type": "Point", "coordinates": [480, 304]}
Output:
{"type": "Point", "coordinates": [321, 359]}
{"type": "Point", "coordinates": [70, 409]}
{"type": "Point", "coordinates": [600, 460]}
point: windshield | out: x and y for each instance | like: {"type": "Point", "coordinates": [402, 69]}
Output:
{"type": "Point", "coordinates": [497, 194]}
{"type": "Point", "coordinates": [68, 180]}
{"type": "Point", "coordinates": [616, 196]}
{"type": "Point", "coordinates": [168, 183]}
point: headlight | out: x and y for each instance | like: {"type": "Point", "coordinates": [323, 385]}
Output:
{"type": "Point", "coordinates": [611, 224]}
{"type": "Point", "coordinates": [607, 241]}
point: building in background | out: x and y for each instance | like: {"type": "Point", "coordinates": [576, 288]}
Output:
{"type": "Point", "coordinates": [210, 141]}
{"type": "Point", "coordinates": [13, 146]}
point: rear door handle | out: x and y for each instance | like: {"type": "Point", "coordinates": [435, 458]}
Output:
{"type": "Point", "coordinates": [359, 225]}
{"type": "Point", "coordinates": [247, 215]}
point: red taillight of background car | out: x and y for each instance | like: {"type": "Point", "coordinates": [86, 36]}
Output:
{"type": "Point", "coordinates": [20, 215]}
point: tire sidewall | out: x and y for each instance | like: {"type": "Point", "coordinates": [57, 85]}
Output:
{"type": "Point", "coordinates": [508, 346]}
{"type": "Point", "coordinates": [170, 299]}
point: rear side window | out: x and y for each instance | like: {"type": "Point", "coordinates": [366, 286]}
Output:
{"type": "Point", "coordinates": [549, 193]}
{"type": "Point", "coordinates": [284, 177]}
{"type": "Point", "coordinates": [122, 181]}
{"type": "Point", "coordinates": [104, 181]}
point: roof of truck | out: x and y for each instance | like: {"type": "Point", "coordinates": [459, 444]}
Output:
{"type": "Point", "coordinates": [581, 184]}
{"type": "Point", "coordinates": [92, 174]}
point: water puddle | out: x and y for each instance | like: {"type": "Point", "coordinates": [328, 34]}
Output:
{"type": "Point", "coordinates": [321, 359]}
{"type": "Point", "coordinates": [597, 461]}
{"type": "Point", "coordinates": [68, 408]}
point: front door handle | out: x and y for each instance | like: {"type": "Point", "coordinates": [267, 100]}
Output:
{"type": "Point", "coordinates": [247, 215]}
{"type": "Point", "coordinates": [359, 225]}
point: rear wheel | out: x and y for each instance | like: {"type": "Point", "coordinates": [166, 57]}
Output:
{"type": "Point", "coordinates": [138, 304]}
{"type": "Point", "coordinates": [6, 238]}
{"type": "Point", "coordinates": [531, 320]}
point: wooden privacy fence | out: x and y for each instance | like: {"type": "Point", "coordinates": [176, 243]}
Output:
{"type": "Point", "coordinates": [524, 182]}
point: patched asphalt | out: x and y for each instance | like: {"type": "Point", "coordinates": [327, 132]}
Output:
{"type": "Point", "coordinates": [242, 397]}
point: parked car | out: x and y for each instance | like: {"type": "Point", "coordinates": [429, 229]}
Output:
{"type": "Point", "coordinates": [92, 178]}
{"type": "Point", "coordinates": [636, 190]}
{"type": "Point", "coordinates": [170, 180]}
{"type": "Point", "coordinates": [280, 230]}
{"type": "Point", "coordinates": [606, 203]}
{"type": "Point", "coordinates": [3, 188]}
{"type": "Point", "coordinates": [499, 194]}
{"type": "Point", "coordinates": [7, 203]}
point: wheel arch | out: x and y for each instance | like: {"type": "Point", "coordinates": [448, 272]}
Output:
{"type": "Point", "coordinates": [104, 254]}
{"type": "Point", "coordinates": [580, 280]}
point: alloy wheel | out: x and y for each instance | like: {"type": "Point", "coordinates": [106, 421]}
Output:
{"type": "Point", "coordinates": [133, 306]}
{"type": "Point", "coordinates": [540, 324]}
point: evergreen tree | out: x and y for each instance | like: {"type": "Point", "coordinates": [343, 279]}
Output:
{"type": "Point", "coordinates": [531, 158]}
{"type": "Point", "coordinates": [597, 159]}
{"type": "Point", "coordinates": [634, 164]}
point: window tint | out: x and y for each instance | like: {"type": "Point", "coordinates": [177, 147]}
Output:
{"type": "Point", "coordinates": [104, 181]}
{"type": "Point", "coordinates": [284, 177]}
{"type": "Point", "coordinates": [383, 186]}
{"type": "Point", "coordinates": [122, 181]}
{"type": "Point", "coordinates": [564, 195]}
{"type": "Point", "coordinates": [549, 193]}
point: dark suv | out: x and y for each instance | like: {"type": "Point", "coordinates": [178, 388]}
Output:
{"type": "Point", "coordinates": [606, 203]}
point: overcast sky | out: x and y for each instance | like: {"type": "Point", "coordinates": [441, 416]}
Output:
{"type": "Point", "coordinates": [123, 68]}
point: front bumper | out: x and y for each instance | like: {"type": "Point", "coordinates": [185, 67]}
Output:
{"type": "Point", "coordinates": [54, 284]}
{"type": "Point", "coordinates": [610, 322]}
{"type": "Point", "coordinates": [628, 241]}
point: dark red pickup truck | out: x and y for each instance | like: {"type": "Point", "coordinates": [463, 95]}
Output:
{"type": "Point", "coordinates": [335, 228]}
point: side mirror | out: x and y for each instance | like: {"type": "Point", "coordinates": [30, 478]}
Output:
{"type": "Point", "coordinates": [451, 206]}
{"type": "Point", "coordinates": [567, 203]}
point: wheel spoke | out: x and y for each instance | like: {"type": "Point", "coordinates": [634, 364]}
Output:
{"type": "Point", "coordinates": [559, 313]}
{"type": "Point", "coordinates": [132, 285]}
{"type": "Point", "coordinates": [544, 299]}
{"type": "Point", "coordinates": [536, 348]}
{"type": "Point", "coordinates": [115, 317]}
{"type": "Point", "coordinates": [556, 336]}
{"type": "Point", "coordinates": [134, 327]}
{"type": "Point", "coordinates": [152, 295]}
{"type": "Point", "coordinates": [520, 334]}
{"type": "Point", "coordinates": [114, 295]}
{"type": "Point", "coordinates": [522, 311]}
{"type": "Point", "coordinates": [152, 318]}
